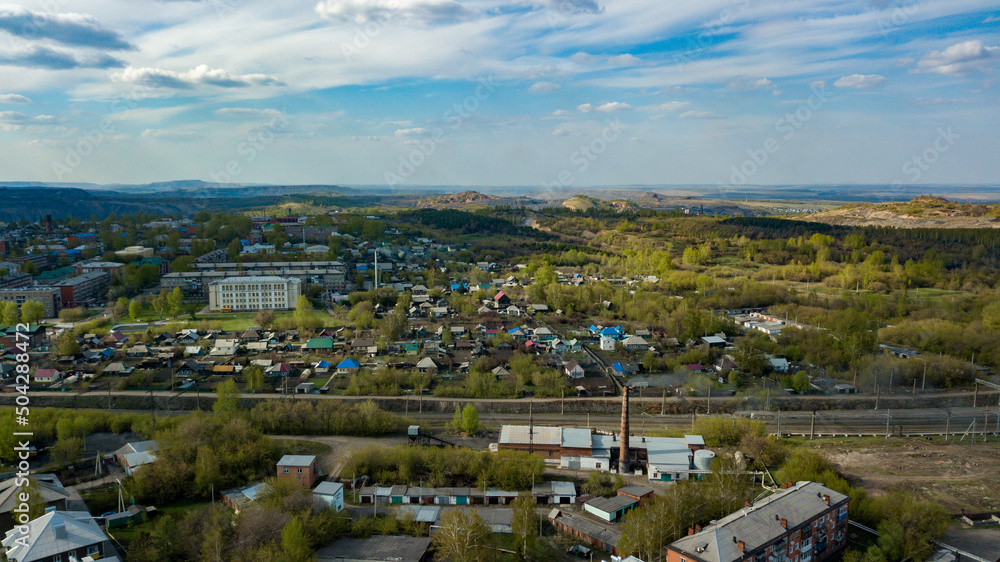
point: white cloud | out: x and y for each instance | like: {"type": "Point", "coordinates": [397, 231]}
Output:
{"type": "Point", "coordinates": [750, 84]}
{"type": "Point", "coordinates": [165, 134]}
{"type": "Point", "coordinates": [818, 84]}
{"type": "Point", "coordinates": [247, 112]}
{"type": "Point", "coordinates": [762, 83]}
{"type": "Point", "coordinates": [13, 120]}
{"type": "Point", "coordinates": [667, 106]}
{"type": "Point", "coordinates": [585, 108]}
{"type": "Point", "coordinates": [200, 75]}
{"type": "Point", "coordinates": [16, 99]}
{"type": "Point", "coordinates": [560, 132]}
{"type": "Point", "coordinates": [904, 61]}
{"type": "Point", "coordinates": [613, 107]}
{"type": "Point", "coordinates": [924, 102]}
{"type": "Point", "coordinates": [991, 19]}
{"type": "Point", "coordinates": [961, 59]}
{"type": "Point", "coordinates": [430, 12]}
{"type": "Point", "coordinates": [582, 58]}
{"type": "Point", "coordinates": [695, 114]}
{"type": "Point", "coordinates": [560, 113]}
{"type": "Point", "coordinates": [412, 132]}
{"type": "Point", "coordinates": [859, 81]}
{"type": "Point", "coordinates": [624, 60]}
{"type": "Point", "coordinates": [544, 87]}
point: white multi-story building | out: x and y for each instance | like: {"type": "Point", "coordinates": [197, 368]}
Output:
{"type": "Point", "coordinates": [254, 293]}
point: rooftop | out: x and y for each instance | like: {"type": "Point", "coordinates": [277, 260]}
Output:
{"type": "Point", "coordinates": [376, 548]}
{"type": "Point", "coordinates": [297, 460]}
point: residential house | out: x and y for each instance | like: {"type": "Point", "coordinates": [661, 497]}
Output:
{"type": "Point", "coordinates": [47, 375]}
{"type": "Point", "coordinates": [427, 366]}
{"type": "Point", "coordinates": [779, 364]}
{"type": "Point", "coordinates": [501, 300]}
{"type": "Point", "coordinates": [573, 369]}
{"type": "Point", "coordinates": [136, 454]}
{"type": "Point", "coordinates": [348, 367]}
{"type": "Point", "coordinates": [635, 343]}
{"type": "Point", "coordinates": [59, 536]}
{"type": "Point", "coordinates": [301, 468]}
{"type": "Point", "coordinates": [365, 345]}
{"type": "Point", "coordinates": [239, 499]}
{"type": "Point", "coordinates": [52, 493]}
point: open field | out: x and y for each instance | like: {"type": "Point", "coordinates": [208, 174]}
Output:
{"type": "Point", "coordinates": [959, 476]}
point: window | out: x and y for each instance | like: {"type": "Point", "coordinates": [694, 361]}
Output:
{"type": "Point", "coordinates": [300, 471]}
{"type": "Point", "coordinates": [286, 471]}
{"type": "Point", "coordinates": [93, 549]}
{"type": "Point", "coordinates": [57, 558]}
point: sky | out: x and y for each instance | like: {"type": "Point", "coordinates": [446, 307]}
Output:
{"type": "Point", "coordinates": [546, 93]}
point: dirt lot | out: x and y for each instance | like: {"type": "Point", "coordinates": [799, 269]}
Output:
{"type": "Point", "coordinates": [959, 476]}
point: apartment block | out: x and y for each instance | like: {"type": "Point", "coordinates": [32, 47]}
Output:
{"type": "Point", "coordinates": [254, 293]}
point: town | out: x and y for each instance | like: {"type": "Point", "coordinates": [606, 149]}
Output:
{"type": "Point", "coordinates": [495, 383]}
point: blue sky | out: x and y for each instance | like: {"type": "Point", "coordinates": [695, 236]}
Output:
{"type": "Point", "coordinates": [567, 93]}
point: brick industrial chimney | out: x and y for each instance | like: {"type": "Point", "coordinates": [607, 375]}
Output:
{"type": "Point", "coordinates": [623, 451]}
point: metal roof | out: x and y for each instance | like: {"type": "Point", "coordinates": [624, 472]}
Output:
{"type": "Point", "coordinates": [421, 513]}
{"type": "Point", "coordinates": [612, 504]}
{"type": "Point", "coordinates": [577, 438]}
{"type": "Point", "coordinates": [297, 460]}
{"type": "Point", "coordinates": [519, 435]}
{"type": "Point", "coordinates": [759, 524]}
{"type": "Point", "coordinates": [635, 490]}
{"type": "Point", "coordinates": [327, 488]}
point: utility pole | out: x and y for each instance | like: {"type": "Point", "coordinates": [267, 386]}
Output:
{"type": "Point", "coordinates": [663, 405]}
{"type": "Point", "coordinates": [887, 418]}
{"type": "Point", "coordinates": [779, 423]}
{"type": "Point", "coordinates": [923, 385]}
{"type": "Point", "coordinates": [876, 395]}
{"type": "Point", "coordinates": [812, 426]}
{"type": "Point", "coordinates": [947, 427]}
{"type": "Point", "coordinates": [975, 396]}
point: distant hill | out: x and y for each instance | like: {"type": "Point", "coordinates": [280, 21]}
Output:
{"type": "Point", "coordinates": [458, 200]}
{"type": "Point", "coordinates": [33, 204]}
{"type": "Point", "coordinates": [585, 203]}
{"type": "Point", "coordinates": [925, 211]}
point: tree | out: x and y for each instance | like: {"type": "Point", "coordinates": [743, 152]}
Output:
{"type": "Point", "coordinates": [175, 301]}
{"type": "Point", "coordinates": [800, 382]}
{"type": "Point", "coordinates": [254, 375]}
{"type": "Point", "coordinates": [67, 345]}
{"type": "Point", "coordinates": [264, 319]}
{"type": "Point", "coordinates": [227, 399]}
{"type": "Point", "coordinates": [303, 312]}
{"type": "Point", "coordinates": [463, 537]}
{"type": "Point", "coordinates": [160, 302]}
{"type": "Point", "coordinates": [234, 249]}
{"type": "Point", "coordinates": [524, 522]}
{"type": "Point", "coordinates": [36, 505]}
{"type": "Point", "coordinates": [470, 419]}
{"type": "Point", "coordinates": [133, 310]}
{"type": "Point", "coordinates": [9, 313]}
{"type": "Point", "coordinates": [32, 312]}
{"type": "Point", "coordinates": [28, 267]}
{"type": "Point", "coordinates": [295, 543]}
{"type": "Point", "coordinates": [749, 357]}
{"type": "Point", "coordinates": [206, 470]}
{"type": "Point", "coordinates": [119, 308]}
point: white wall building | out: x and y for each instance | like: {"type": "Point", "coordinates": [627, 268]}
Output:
{"type": "Point", "coordinates": [254, 293]}
{"type": "Point", "coordinates": [331, 494]}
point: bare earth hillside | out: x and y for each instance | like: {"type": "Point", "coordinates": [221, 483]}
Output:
{"type": "Point", "coordinates": [923, 212]}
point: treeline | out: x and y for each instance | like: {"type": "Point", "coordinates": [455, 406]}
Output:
{"type": "Point", "coordinates": [68, 428]}
{"type": "Point", "coordinates": [462, 221]}
{"type": "Point", "coordinates": [323, 417]}
{"type": "Point", "coordinates": [449, 466]}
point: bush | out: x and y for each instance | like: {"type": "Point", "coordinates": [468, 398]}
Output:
{"type": "Point", "coordinates": [727, 432]}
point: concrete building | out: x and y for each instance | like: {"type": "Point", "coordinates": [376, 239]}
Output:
{"type": "Point", "coordinates": [50, 297]}
{"type": "Point", "coordinates": [15, 280]}
{"type": "Point", "coordinates": [329, 274]}
{"type": "Point", "coordinates": [301, 468]}
{"type": "Point", "coordinates": [597, 535]}
{"type": "Point", "coordinates": [806, 522]}
{"type": "Point", "coordinates": [135, 252]}
{"type": "Point", "coordinates": [666, 458]}
{"type": "Point", "coordinates": [610, 509]}
{"type": "Point", "coordinates": [84, 290]}
{"type": "Point", "coordinates": [111, 268]}
{"type": "Point", "coordinates": [331, 494]}
{"type": "Point", "coordinates": [253, 293]}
